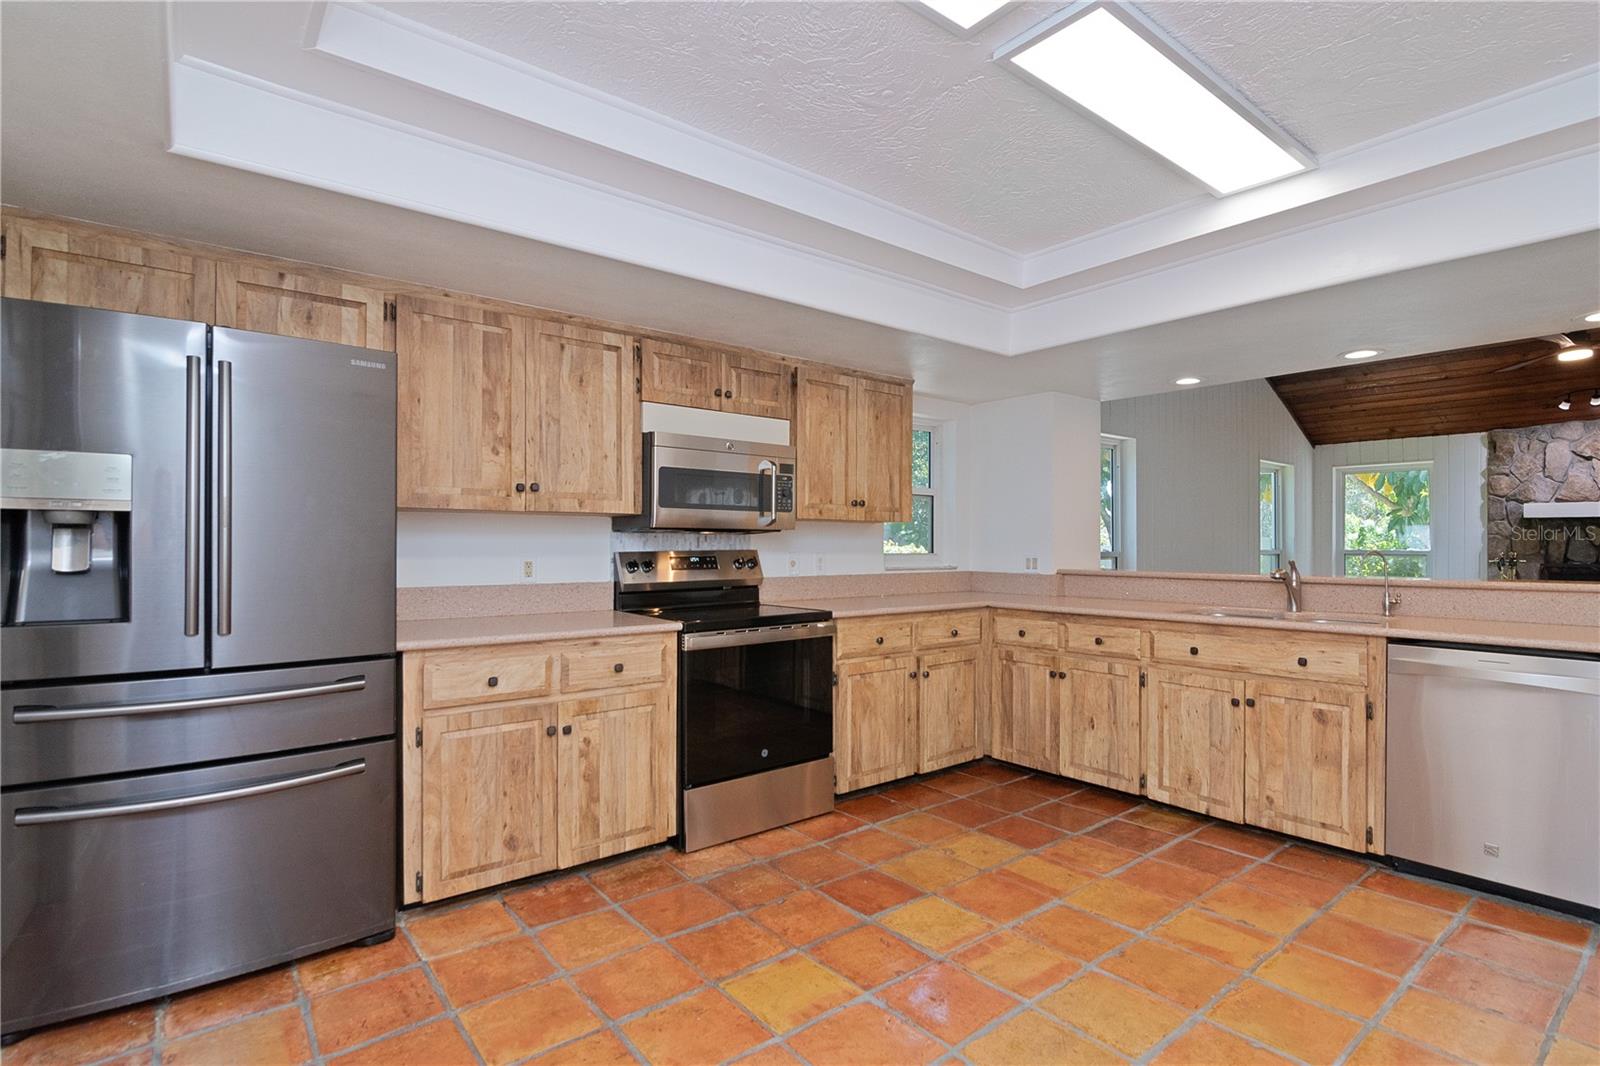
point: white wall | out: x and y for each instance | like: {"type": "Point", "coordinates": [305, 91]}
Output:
{"type": "Point", "coordinates": [1198, 464]}
{"type": "Point", "coordinates": [1456, 490]}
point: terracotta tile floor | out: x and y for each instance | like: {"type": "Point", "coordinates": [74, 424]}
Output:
{"type": "Point", "coordinates": [982, 915]}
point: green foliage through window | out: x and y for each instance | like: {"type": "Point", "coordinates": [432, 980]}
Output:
{"type": "Point", "coordinates": [1387, 510]}
{"type": "Point", "coordinates": [914, 537]}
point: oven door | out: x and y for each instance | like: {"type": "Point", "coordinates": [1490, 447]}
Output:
{"type": "Point", "coordinates": [755, 700]}
{"type": "Point", "coordinates": [694, 489]}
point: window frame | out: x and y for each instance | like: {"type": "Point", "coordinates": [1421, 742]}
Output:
{"type": "Point", "coordinates": [1342, 554]}
{"type": "Point", "coordinates": [1117, 555]}
{"type": "Point", "coordinates": [1280, 521]}
{"type": "Point", "coordinates": [936, 471]}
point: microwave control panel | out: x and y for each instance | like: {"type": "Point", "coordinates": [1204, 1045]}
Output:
{"type": "Point", "coordinates": [784, 500]}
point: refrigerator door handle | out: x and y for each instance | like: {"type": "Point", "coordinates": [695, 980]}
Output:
{"type": "Point", "coordinates": [26, 715]}
{"type": "Point", "coordinates": [224, 497]}
{"type": "Point", "coordinates": [52, 815]}
{"type": "Point", "coordinates": [193, 515]}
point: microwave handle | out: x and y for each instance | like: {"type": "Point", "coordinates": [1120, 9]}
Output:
{"type": "Point", "coordinates": [770, 468]}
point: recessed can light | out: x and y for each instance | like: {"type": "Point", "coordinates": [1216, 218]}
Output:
{"type": "Point", "coordinates": [1187, 381]}
{"type": "Point", "coordinates": [1360, 353]}
{"type": "Point", "coordinates": [1574, 355]}
{"type": "Point", "coordinates": [1592, 318]}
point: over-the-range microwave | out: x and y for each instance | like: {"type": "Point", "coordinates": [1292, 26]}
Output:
{"type": "Point", "coordinates": [711, 484]}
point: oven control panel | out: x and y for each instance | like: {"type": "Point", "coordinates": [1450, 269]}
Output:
{"type": "Point", "coordinates": [721, 566]}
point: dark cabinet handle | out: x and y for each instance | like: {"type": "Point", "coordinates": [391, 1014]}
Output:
{"type": "Point", "coordinates": [1052, 674]}
{"type": "Point", "coordinates": [1301, 660]}
{"type": "Point", "coordinates": [728, 395]}
{"type": "Point", "coordinates": [924, 675]}
{"type": "Point", "coordinates": [521, 487]}
{"type": "Point", "coordinates": [1099, 640]}
{"type": "Point", "coordinates": [616, 668]}
{"type": "Point", "coordinates": [1022, 632]}
{"type": "Point", "coordinates": [1249, 702]}
{"type": "Point", "coordinates": [955, 632]}
{"type": "Point", "coordinates": [549, 730]}
{"type": "Point", "coordinates": [913, 673]}
{"type": "Point", "coordinates": [877, 640]}
{"type": "Point", "coordinates": [533, 487]}
{"type": "Point", "coordinates": [1236, 701]}
{"type": "Point", "coordinates": [493, 681]}
{"type": "Point", "coordinates": [1194, 651]}
{"type": "Point", "coordinates": [566, 730]}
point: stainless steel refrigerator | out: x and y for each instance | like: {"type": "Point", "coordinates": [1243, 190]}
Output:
{"type": "Point", "coordinates": [198, 711]}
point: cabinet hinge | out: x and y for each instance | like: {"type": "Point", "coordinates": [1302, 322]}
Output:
{"type": "Point", "coordinates": [418, 736]}
{"type": "Point", "coordinates": [1141, 679]}
{"type": "Point", "coordinates": [1142, 780]}
{"type": "Point", "coordinates": [1369, 834]}
{"type": "Point", "coordinates": [835, 679]}
{"type": "Point", "coordinates": [418, 882]}
{"type": "Point", "coordinates": [1369, 718]}
{"type": "Point", "coordinates": [391, 311]}
{"type": "Point", "coordinates": [794, 378]}
{"type": "Point", "coordinates": [2, 247]}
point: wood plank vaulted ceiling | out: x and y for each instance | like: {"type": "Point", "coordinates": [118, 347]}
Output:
{"type": "Point", "coordinates": [1470, 390]}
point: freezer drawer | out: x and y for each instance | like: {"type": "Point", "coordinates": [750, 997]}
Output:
{"type": "Point", "coordinates": [119, 891]}
{"type": "Point", "coordinates": [1491, 767]}
{"type": "Point", "coordinates": [57, 732]}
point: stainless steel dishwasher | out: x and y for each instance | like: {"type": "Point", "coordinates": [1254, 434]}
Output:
{"type": "Point", "coordinates": [1494, 767]}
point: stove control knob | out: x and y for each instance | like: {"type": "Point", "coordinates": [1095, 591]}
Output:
{"type": "Point", "coordinates": [647, 566]}
{"type": "Point", "coordinates": [633, 566]}
{"type": "Point", "coordinates": [738, 564]}
{"type": "Point", "coordinates": [752, 562]}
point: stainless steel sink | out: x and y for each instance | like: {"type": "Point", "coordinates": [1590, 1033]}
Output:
{"type": "Point", "coordinates": [1285, 616]}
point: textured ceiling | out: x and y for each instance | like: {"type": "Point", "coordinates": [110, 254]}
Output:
{"type": "Point", "coordinates": [880, 99]}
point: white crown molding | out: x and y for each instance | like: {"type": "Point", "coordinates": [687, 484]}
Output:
{"type": "Point", "coordinates": [380, 40]}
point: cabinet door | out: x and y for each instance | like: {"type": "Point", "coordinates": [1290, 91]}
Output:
{"type": "Point", "coordinates": [680, 374]}
{"type": "Point", "coordinates": [1100, 722]}
{"type": "Point", "coordinates": [460, 421]}
{"type": "Point", "coordinates": [582, 415]}
{"type": "Point", "coordinates": [62, 263]}
{"type": "Point", "coordinates": [1026, 727]}
{"type": "Point", "coordinates": [756, 385]}
{"type": "Point", "coordinates": [1306, 761]}
{"type": "Point", "coordinates": [882, 450]}
{"type": "Point", "coordinates": [617, 759]}
{"type": "Point", "coordinates": [823, 450]}
{"type": "Point", "coordinates": [947, 708]}
{"type": "Point", "coordinates": [488, 796]}
{"type": "Point", "coordinates": [269, 299]}
{"type": "Point", "coordinates": [1194, 741]}
{"type": "Point", "coordinates": [874, 722]}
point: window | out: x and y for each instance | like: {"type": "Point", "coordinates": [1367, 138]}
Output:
{"type": "Point", "coordinates": [1111, 508]}
{"type": "Point", "coordinates": [1274, 514]}
{"type": "Point", "coordinates": [1384, 509]}
{"type": "Point", "coordinates": [916, 537]}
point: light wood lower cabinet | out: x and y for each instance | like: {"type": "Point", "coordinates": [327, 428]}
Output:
{"type": "Point", "coordinates": [949, 684]}
{"type": "Point", "coordinates": [1194, 741]}
{"type": "Point", "coordinates": [1025, 723]}
{"type": "Point", "coordinates": [875, 722]}
{"type": "Point", "coordinates": [1100, 715]}
{"type": "Point", "coordinates": [1305, 751]}
{"type": "Point", "coordinates": [506, 788]}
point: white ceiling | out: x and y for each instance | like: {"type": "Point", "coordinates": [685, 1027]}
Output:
{"type": "Point", "coordinates": [608, 159]}
{"type": "Point", "coordinates": [885, 101]}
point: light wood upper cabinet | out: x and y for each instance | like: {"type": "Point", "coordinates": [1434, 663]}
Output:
{"type": "Point", "coordinates": [1194, 741]}
{"type": "Point", "coordinates": [875, 722]}
{"type": "Point", "coordinates": [1306, 761]}
{"type": "Point", "coordinates": [461, 441]}
{"type": "Point", "coordinates": [582, 418]}
{"type": "Point", "coordinates": [488, 798]}
{"type": "Point", "coordinates": [1100, 722]}
{"type": "Point", "coordinates": [824, 451]}
{"type": "Point", "coordinates": [1026, 721]}
{"type": "Point", "coordinates": [852, 447]}
{"type": "Point", "coordinates": [617, 756]}
{"type": "Point", "coordinates": [692, 376]}
{"type": "Point", "coordinates": [948, 700]}
{"type": "Point", "coordinates": [318, 306]}
{"type": "Point", "coordinates": [89, 266]}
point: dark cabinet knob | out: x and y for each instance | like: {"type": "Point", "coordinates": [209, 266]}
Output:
{"type": "Point", "coordinates": [493, 681]}
{"type": "Point", "coordinates": [719, 393]}
{"type": "Point", "coordinates": [1052, 673]}
{"type": "Point", "coordinates": [1194, 651]}
{"type": "Point", "coordinates": [1301, 660]}
{"type": "Point", "coordinates": [728, 395]}
{"type": "Point", "coordinates": [616, 668]}
{"type": "Point", "coordinates": [924, 675]}
{"type": "Point", "coordinates": [1249, 702]}
{"type": "Point", "coordinates": [549, 730]}
{"type": "Point", "coordinates": [913, 673]}
{"type": "Point", "coordinates": [1099, 640]}
{"type": "Point", "coordinates": [533, 487]}
{"type": "Point", "coordinates": [955, 632]}
{"type": "Point", "coordinates": [1236, 701]}
{"type": "Point", "coordinates": [566, 730]}
{"type": "Point", "coordinates": [521, 487]}
{"type": "Point", "coordinates": [877, 640]}
{"type": "Point", "coordinates": [1022, 632]}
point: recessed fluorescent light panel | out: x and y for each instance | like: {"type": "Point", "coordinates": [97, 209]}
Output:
{"type": "Point", "coordinates": [1124, 70]}
{"type": "Point", "coordinates": [963, 14]}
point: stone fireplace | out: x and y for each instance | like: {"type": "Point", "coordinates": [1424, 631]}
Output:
{"type": "Point", "coordinates": [1559, 462]}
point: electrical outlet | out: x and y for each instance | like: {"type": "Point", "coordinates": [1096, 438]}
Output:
{"type": "Point", "coordinates": [818, 569]}
{"type": "Point", "coordinates": [794, 564]}
{"type": "Point", "coordinates": [527, 569]}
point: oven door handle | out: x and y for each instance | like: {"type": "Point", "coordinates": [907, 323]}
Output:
{"type": "Point", "coordinates": [738, 638]}
{"type": "Point", "coordinates": [770, 468]}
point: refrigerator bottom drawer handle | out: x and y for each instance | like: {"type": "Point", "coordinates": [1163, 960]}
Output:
{"type": "Point", "coordinates": [50, 816]}
{"type": "Point", "coordinates": [24, 715]}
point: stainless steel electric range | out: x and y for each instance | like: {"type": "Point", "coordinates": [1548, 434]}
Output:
{"type": "Point", "coordinates": [755, 692]}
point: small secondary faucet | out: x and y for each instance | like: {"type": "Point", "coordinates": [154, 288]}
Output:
{"type": "Point", "coordinates": [1290, 576]}
{"type": "Point", "coordinates": [1390, 602]}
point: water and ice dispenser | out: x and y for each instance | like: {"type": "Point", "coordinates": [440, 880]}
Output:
{"type": "Point", "coordinates": [66, 535]}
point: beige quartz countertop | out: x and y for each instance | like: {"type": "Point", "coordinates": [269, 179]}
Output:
{"type": "Point", "coordinates": [1401, 627]}
{"type": "Point", "coordinates": [516, 628]}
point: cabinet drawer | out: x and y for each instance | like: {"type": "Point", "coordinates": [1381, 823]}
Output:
{"type": "Point", "coordinates": [1026, 631]}
{"type": "Point", "coordinates": [480, 675]}
{"type": "Point", "coordinates": [1264, 652]}
{"type": "Point", "coordinates": [612, 664]}
{"type": "Point", "coordinates": [885, 635]}
{"type": "Point", "coordinates": [1092, 638]}
{"type": "Point", "coordinates": [949, 630]}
